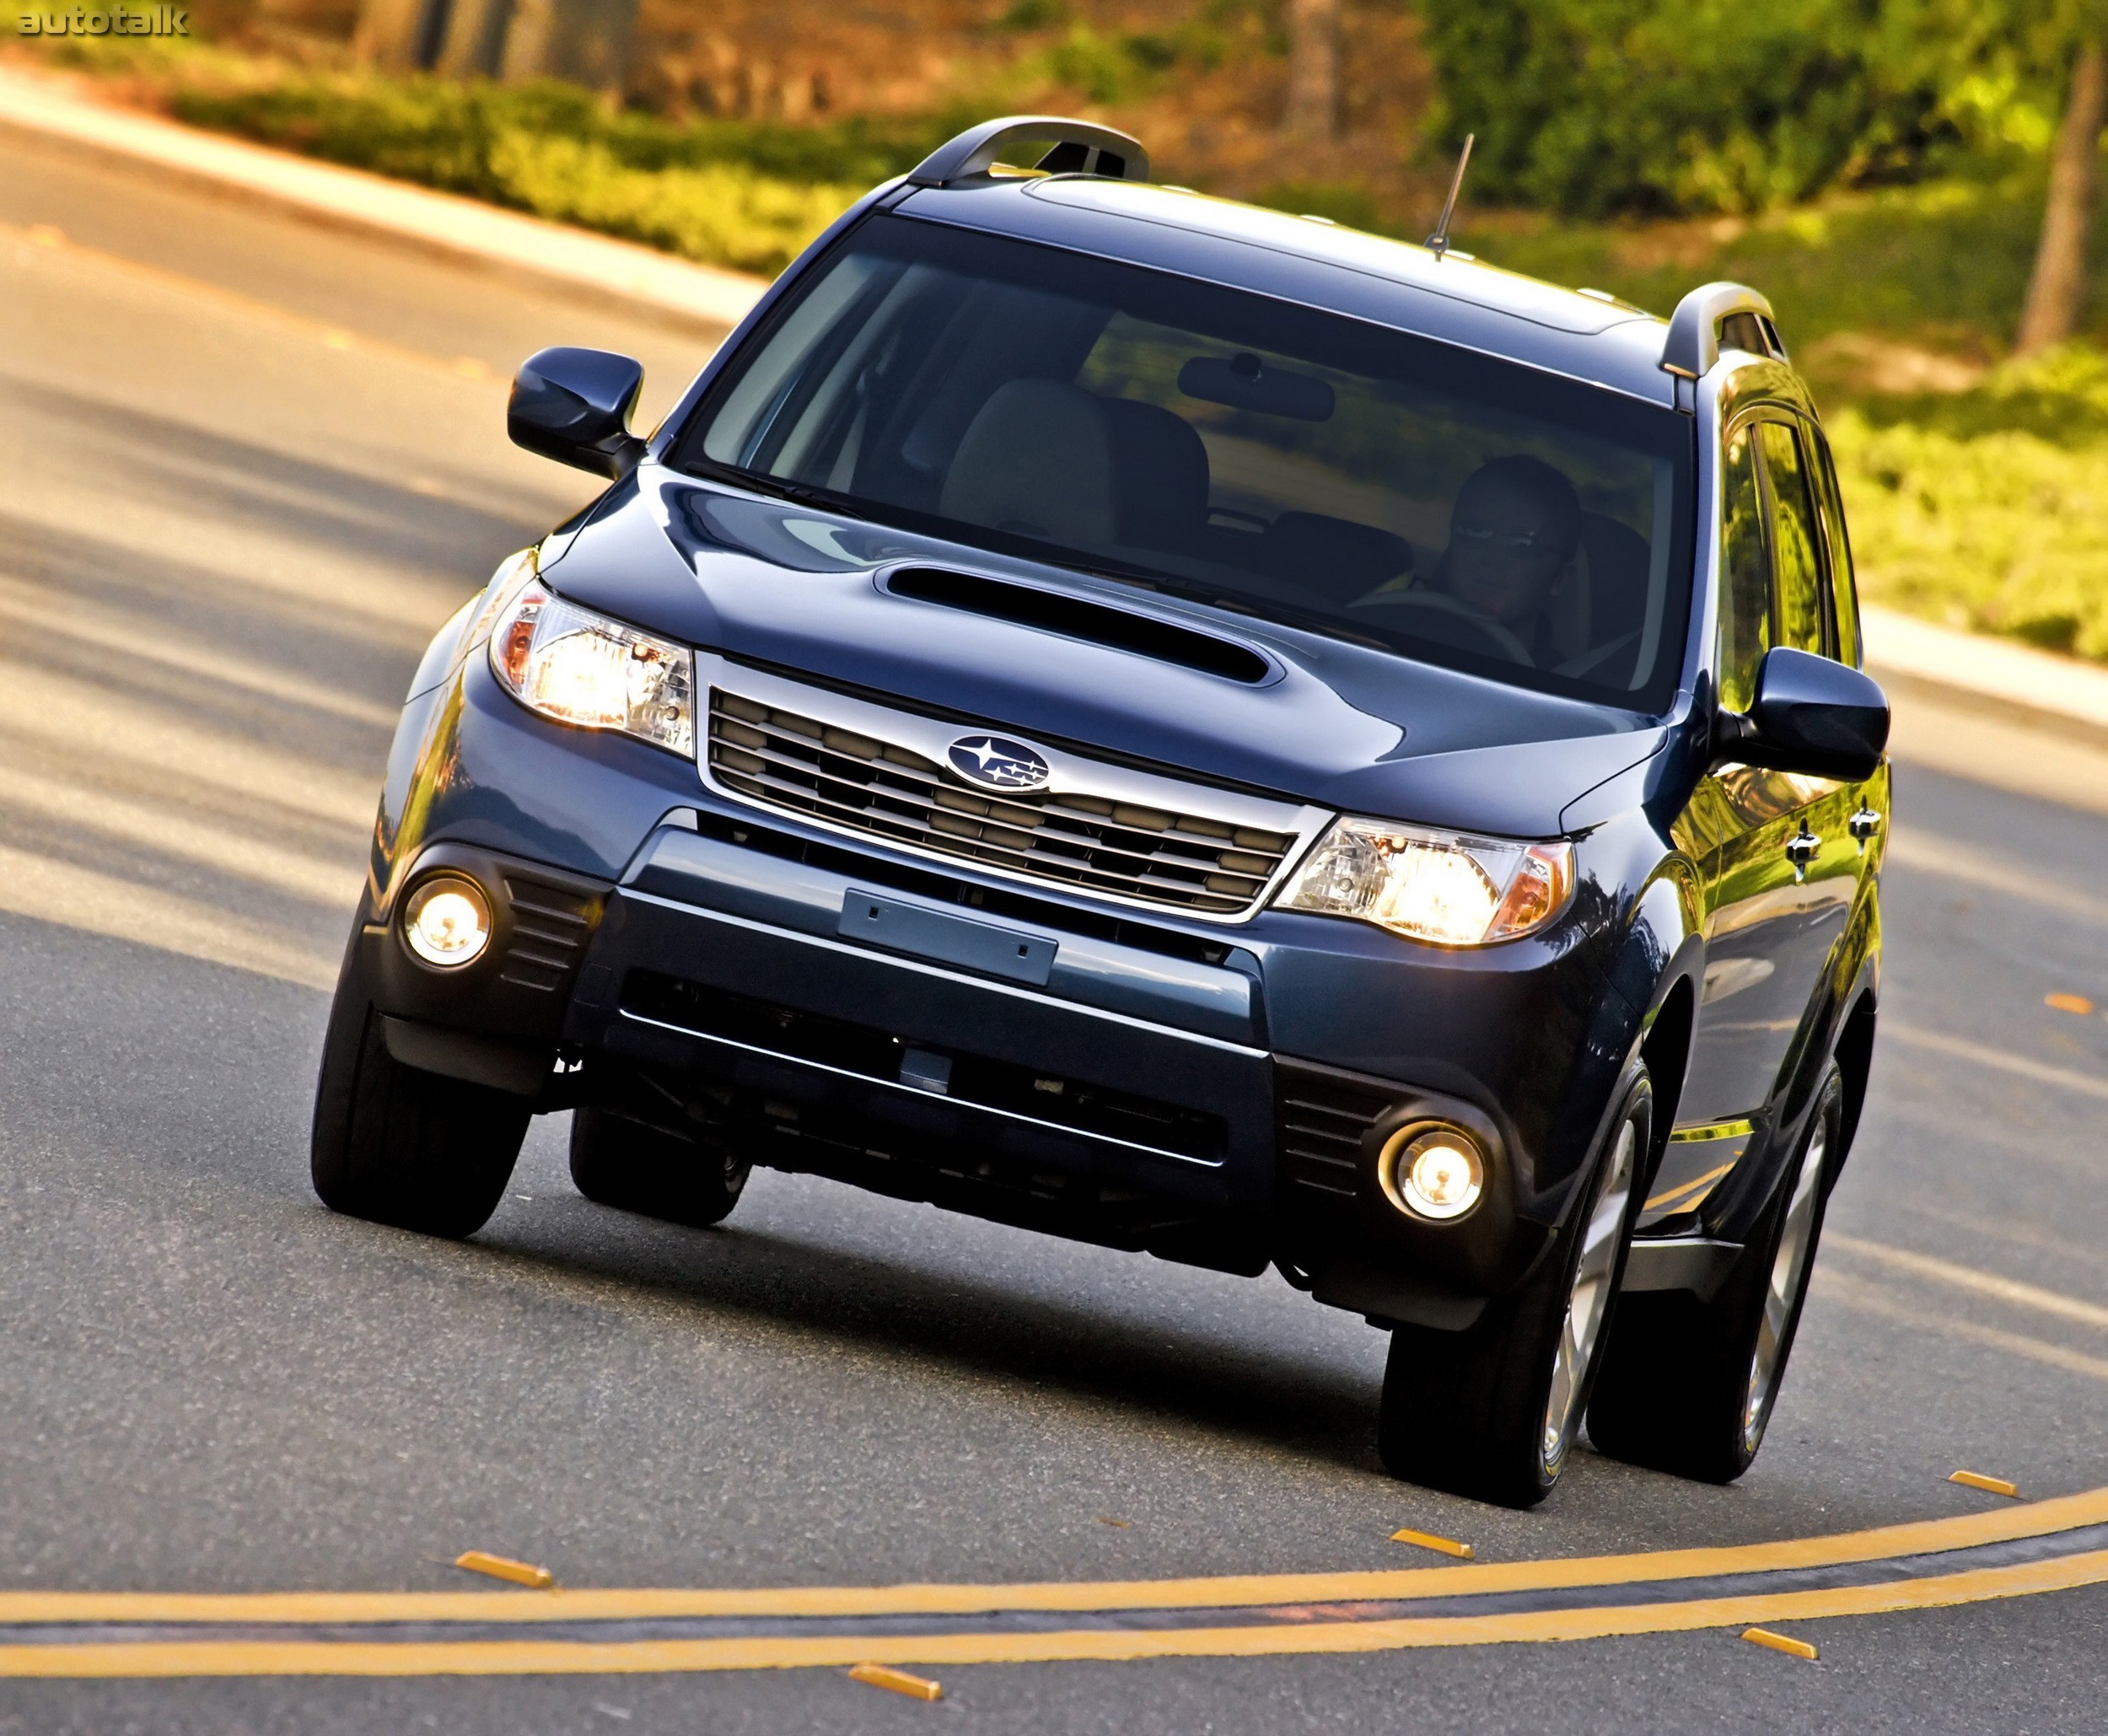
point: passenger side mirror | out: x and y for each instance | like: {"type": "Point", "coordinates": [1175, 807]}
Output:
{"type": "Point", "coordinates": [1811, 715]}
{"type": "Point", "coordinates": [574, 406]}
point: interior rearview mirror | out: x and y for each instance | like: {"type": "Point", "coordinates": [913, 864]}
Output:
{"type": "Point", "coordinates": [574, 406]}
{"type": "Point", "coordinates": [1811, 715]}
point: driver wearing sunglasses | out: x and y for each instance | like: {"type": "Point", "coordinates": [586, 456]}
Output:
{"type": "Point", "coordinates": [1513, 534]}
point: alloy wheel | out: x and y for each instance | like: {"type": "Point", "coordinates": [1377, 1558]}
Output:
{"type": "Point", "coordinates": [1587, 1302]}
{"type": "Point", "coordinates": [1789, 1272]}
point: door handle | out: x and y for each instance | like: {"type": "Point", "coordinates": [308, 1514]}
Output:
{"type": "Point", "coordinates": [1864, 825]}
{"type": "Point", "coordinates": [1801, 849]}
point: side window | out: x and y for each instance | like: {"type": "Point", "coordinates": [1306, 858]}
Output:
{"type": "Point", "coordinates": [1745, 597]}
{"type": "Point", "coordinates": [1844, 596]}
{"type": "Point", "coordinates": [1795, 541]}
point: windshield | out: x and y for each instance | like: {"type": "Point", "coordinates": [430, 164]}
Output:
{"type": "Point", "coordinates": [1313, 469]}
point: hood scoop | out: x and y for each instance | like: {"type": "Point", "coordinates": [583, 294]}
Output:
{"type": "Point", "coordinates": [1076, 618]}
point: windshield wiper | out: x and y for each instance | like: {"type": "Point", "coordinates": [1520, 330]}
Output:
{"type": "Point", "coordinates": [802, 494]}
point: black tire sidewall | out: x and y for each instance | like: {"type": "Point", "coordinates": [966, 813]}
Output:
{"type": "Point", "coordinates": [634, 1167]}
{"type": "Point", "coordinates": [1749, 1283]}
{"type": "Point", "coordinates": [1691, 1426]}
{"type": "Point", "coordinates": [1465, 1411]}
{"type": "Point", "coordinates": [397, 1146]}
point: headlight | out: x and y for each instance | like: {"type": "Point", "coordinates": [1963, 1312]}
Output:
{"type": "Point", "coordinates": [1444, 887]}
{"type": "Point", "coordinates": [580, 668]}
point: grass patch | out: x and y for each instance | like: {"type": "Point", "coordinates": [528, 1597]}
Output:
{"type": "Point", "coordinates": [1989, 510]}
{"type": "Point", "coordinates": [1984, 507]}
{"type": "Point", "coordinates": [726, 193]}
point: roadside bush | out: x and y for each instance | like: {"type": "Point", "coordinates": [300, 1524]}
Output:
{"type": "Point", "coordinates": [1989, 510]}
{"type": "Point", "coordinates": [1591, 107]}
{"type": "Point", "coordinates": [743, 195]}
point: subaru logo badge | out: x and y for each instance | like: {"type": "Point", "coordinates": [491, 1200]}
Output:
{"type": "Point", "coordinates": [997, 763]}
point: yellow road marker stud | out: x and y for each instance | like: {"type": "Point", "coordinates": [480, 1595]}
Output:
{"type": "Point", "coordinates": [1780, 1643]}
{"type": "Point", "coordinates": [899, 1681]}
{"type": "Point", "coordinates": [2069, 1003]}
{"type": "Point", "coordinates": [1106, 1518]}
{"type": "Point", "coordinates": [504, 1567]}
{"type": "Point", "coordinates": [1441, 1545]}
{"type": "Point", "coordinates": [1989, 1486]}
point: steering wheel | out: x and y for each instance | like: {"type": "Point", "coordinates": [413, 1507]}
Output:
{"type": "Point", "coordinates": [1491, 635]}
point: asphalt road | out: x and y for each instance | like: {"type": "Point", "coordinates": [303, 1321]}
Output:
{"type": "Point", "coordinates": [246, 465]}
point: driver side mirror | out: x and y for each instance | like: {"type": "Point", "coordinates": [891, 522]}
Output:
{"type": "Point", "coordinates": [574, 406]}
{"type": "Point", "coordinates": [1811, 715]}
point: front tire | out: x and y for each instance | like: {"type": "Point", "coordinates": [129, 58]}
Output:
{"type": "Point", "coordinates": [1688, 1386]}
{"type": "Point", "coordinates": [399, 1146]}
{"type": "Point", "coordinates": [633, 1167]}
{"type": "Point", "coordinates": [1492, 1411]}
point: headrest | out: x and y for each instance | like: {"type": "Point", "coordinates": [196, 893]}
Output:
{"type": "Point", "coordinates": [1036, 461]}
{"type": "Point", "coordinates": [1159, 475]}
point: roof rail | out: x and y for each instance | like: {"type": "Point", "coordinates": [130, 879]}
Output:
{"type": "Point", "coordinates": [1076, 147]}
{"type": "Point", "coordinates": [1693, 345]}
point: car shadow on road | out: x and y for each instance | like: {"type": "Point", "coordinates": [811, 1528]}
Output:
{"type": "Point", "coordinates": [900, 1311]}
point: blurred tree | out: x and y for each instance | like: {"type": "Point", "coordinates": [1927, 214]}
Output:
{"type": "Point", "coordinates": [586, 41]}
{"type": "Point", "coordinates": [2056, 291]}
{"type": "Point", "coordinates": [1314, 69]}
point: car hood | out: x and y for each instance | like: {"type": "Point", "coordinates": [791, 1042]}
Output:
{"type": "Point", "coordinates": [1332, 723]}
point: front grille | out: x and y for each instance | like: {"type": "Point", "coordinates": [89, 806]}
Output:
{"type": "Point", "coordinates": [1322, 1122]}
{"type": "Point", "coordinates": [838, 1043]}
{"type": "Point", "coordinates": [551, 927]}
{"type": "Point", "coordinates": [1152, 855]}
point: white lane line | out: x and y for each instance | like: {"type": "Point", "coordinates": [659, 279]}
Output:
{"type": "Point", "coordinates": [1967, 1278]}
{"type": "Point", "coordinates": [43, 238]}
{"type": "Point", "coordinates": [74, 897]}
{"type": "Point", "coordinates": [1961, 1049]}
{"type": "Point", "coordinates": [80, 807]}
{"type": "Point", "coordinates": [1922, 855]}
{"type": "Point", "coordinates": [53, 612]}
{"type": "Point", "coordinates": [73, 714]}
{"type": "Point", "coordinates": [1869, 1299]}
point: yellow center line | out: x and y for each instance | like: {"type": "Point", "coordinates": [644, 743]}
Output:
{"type": "Point", "coordinates": [1677, 1193]}
{"type": "Point", "coordinates": [2038, 1518]}
{"type": "Point", "coordinates": [247, 1658]}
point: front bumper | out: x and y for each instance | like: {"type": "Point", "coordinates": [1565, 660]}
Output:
{"type": "Point", "coordinates": [1213, 1092]}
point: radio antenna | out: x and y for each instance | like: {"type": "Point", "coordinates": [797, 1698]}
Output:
{"type": "Point", "coordinates": [1438, 242]}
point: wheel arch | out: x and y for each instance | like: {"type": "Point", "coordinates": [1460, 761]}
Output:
{"type": "Point", "coordinates": [1854, 1053]}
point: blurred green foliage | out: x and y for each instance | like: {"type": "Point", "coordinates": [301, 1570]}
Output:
{"type": "Point", "coordinates": [1944, 260]}
{"type": "Point", "coordinates": [1875, 166]}
{"type": "Point", "coordinates": [1988, 509]}
{"type": "Point", "coordinates": [1588, 107]}
{"type": "Point", "coordinates": [745, 194]}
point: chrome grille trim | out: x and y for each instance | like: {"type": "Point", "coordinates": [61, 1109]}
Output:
{"type": "Point", "coordinates": [870, 771]}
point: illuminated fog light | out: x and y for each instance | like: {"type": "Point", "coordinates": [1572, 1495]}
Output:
{"type": "Point", "coordinates": [1433, 1172]}
{"type": "Point", "coordinates": [447, 922]}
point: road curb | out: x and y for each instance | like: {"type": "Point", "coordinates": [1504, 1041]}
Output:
{"type": "Point", "coordinates": [573, 261]}
{"type": "Point", "coordinates": [2014, 681]}
{"type": "Point", "coordinates": [1997, 676]}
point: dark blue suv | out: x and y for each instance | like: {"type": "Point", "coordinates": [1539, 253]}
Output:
{"type": "Point", "coordinates": [1192, 729]}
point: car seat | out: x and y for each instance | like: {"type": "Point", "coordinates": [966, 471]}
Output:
{"type": "Point", "coordinates": [1036, 460]}
{"type": "Point", "coordinates": [1159, 476]}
